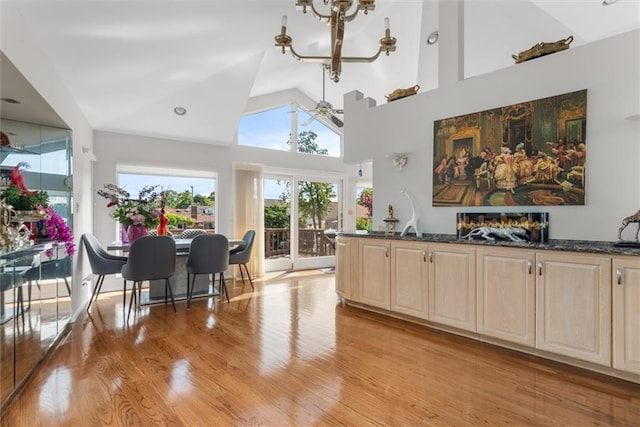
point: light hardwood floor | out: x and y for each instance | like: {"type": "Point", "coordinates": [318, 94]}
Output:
{"type": "Point", "coordinates": [290, 354]}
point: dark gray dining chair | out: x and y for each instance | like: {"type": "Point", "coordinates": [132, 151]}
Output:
{"type": "Point", "coordinates": [150, 258]}
{"type": "Point", "coordinates": [241, 255]}
{"type": "Point", "coordinates": [208, 254]}
{"type": "Point", "coordinates": [102, 263]}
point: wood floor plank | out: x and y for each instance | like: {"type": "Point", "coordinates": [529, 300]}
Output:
{"type": "Point", "coordinates": [290, 353]}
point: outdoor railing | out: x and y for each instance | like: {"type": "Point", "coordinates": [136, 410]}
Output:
{"type": "Point", "coordinates": [311, 243]}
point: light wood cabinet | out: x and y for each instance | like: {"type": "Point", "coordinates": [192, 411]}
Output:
{"type": "Point", "coordinates": [506, 294]}
{"type": "Point", "coordinates": [347, 267]}
{"type": "Point", "coordinates": [580, 305]}
{"type": "Point", "coordinates": [626, 314]}
{"type": "Point", "coordinates": [409, 278]}
{"type": "Point", "coordinates": [573, 305]}
{"type": "Point", "coordinates": [375, 265]}
{"type": "Point", "coordinates": [452, 285]}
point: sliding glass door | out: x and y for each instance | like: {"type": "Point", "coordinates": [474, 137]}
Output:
{"type": "Point", "coordinates": [302, 215]}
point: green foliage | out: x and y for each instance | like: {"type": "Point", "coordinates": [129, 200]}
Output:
{"type": "Point", "coordinates": [307, 143]}
{"type": "Point", "coordinates": [175, 221]}
{"type": "Point", "coordinates": [201, 200]}
{"type": "Point", "coordinates": [314, 199]}
{"type": "Point", "coordinates": [24, 202]}
{"type": "Point", "coordinates": [172, 198]}
{"type": "Point", "coordinates": [362, 223]}
{"type": "Point", "coordinates": [366, 199]}
{"type": "Point", "coordinates": [183, 200]}
{"type": "Point", "coordinates": [275, 216]}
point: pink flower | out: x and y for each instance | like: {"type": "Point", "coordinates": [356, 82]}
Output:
{"type": "Point", "coordinates": [58, 231]}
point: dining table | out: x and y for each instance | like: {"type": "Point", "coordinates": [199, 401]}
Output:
{"type": "Point", "coordinates": [203, 286]}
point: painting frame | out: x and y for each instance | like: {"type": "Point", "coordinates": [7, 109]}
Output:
{"type": "Point", "coordinates": [531, 153]}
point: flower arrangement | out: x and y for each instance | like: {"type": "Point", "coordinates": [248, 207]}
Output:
{"type": "Point", "coordinates": [58, 231]}
{"type": "Point", "coordinates": [144, 210]}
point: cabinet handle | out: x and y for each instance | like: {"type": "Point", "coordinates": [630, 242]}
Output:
{"type": "Point", "coordinates": [619, 275]}
{"type": "Point", "coordinates": [540, 268]}
{"type": "Point", "coordinates": [529, 266]}
{"type": "Point", "coordinates": [386, 252]}
{"type": "Point", "coordinates": [424, 256]}
{"type": "Point", "coordinates": [431, 257]}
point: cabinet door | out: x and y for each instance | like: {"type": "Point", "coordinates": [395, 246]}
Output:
{"type": "Point", "coordinates": [346, 265]}
{"type": "Point", "coordinates": [506, 295]}
{"type": "Point", "coordinates": [573, 303]}
{"type": "Point", "coordinates": [374, 273]}
{"type": "Point", "coordinates": [409, 278]}
{"type": "Point", "coordinates": [626, 315]}
{"type": "Point", "coordinates": [452, 286]}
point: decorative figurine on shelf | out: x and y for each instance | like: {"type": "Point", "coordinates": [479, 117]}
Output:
{"type": "Point", "coordinates": [514, 234]}
{"type": "Point", "coordinates": [6, 242]}
{"type": "Point", "coordinates": [413, 222]}
{"type": "Point", "coordinates": [635, 218]}
{"type": "Point", "coordinates": [18, 180]}
{"type": "Point", "coordinates": [390, 222]}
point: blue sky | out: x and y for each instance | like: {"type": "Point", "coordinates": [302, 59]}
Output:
{"type": "Point", "coordinates": [133, 183]}
{"type": "Point", "coordinates": [271, 128]}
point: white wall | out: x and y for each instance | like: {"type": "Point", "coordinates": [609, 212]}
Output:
{"type": "Point", "coordinates": [114, 149]}
{"type": "Point", "coordinates": [21, 48]}
{"type": "Point", "coordinates": [608, 69]}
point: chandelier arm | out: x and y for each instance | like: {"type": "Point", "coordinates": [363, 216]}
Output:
{"type": "Point", "coordinates": [363, 58]}
{"type": "Point", "coordinates": [349, 18]}
{"type": "Point", "coordinates": [318, 15]}
{"type": "Point", "coordinates": [337, 37]}
{"type": "Point", "coordinates": [304, 58]}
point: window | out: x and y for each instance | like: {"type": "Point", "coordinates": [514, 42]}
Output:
{"type": "Point", "coordinates": [271, 129]}
{"type": "Point", "coordinates": [190, 202]}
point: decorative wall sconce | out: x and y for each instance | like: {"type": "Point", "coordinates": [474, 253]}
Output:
{"type": "Point", "coordinates": [398, 159]}
{"type": "Point", "coordinates": [87, 152]}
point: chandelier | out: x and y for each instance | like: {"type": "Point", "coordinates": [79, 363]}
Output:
{"type": "Point", "coordinates": [336, 20]}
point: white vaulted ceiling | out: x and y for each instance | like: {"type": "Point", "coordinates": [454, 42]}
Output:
{"type": "Point", "coordinates": [129, 63]}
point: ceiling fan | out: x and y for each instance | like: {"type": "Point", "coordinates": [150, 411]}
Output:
{"type": "Point", "coordinates": [324, 108]}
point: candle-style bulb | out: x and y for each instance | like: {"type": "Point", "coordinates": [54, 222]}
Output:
{"type": "Point", "coordinates": [284, 20]}
{"type": "Point", "coordinates": [386, 23]}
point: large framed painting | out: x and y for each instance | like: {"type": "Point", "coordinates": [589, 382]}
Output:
{"type": "Point", "coordinates": [527, 154]}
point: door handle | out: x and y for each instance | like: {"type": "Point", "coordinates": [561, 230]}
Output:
{"type": "Point", "coordinates": [386, 252]}
{"type": "Point", "coordinates": [619, 275]}
{"type": "Point", "coordinates": [424, 256]}
{"type": "Point", "coordinates": [540, 268]}
{"type": "Point", "coordinates": [431, 257]}
{"type": "Point", "coordinates": [529, 266]}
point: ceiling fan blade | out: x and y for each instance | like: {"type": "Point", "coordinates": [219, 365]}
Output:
{"type": "Point", "coordinates": [310, 119]}
{"type": "Point", "coordinates": [337, 121]}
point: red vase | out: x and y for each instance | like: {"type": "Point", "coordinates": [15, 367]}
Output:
{"type": "Point", "coordinates": [136, 231]}
{"type": "Point", "coordinates": [162, 227]}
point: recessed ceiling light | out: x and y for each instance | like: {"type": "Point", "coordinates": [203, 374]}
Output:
{"type": "Point", "coordinates": [181, 111]}
{"type": "Point", "coordinates": [10, 100]}
{"type": "Point", "coordinates": [433, 38]}
{"type": "Point", "coordinates": [608, 2]}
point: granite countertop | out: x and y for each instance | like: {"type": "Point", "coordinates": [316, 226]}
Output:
{"type": "Point", "coordinates": [590, 246]}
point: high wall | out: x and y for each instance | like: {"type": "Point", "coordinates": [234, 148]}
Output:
{"type": "Point", "coordinates": [115, 150]}
{"type": "Point", "coordinates": [608, 69]}
{"type": "Point", "coordinates": [20, 47]}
